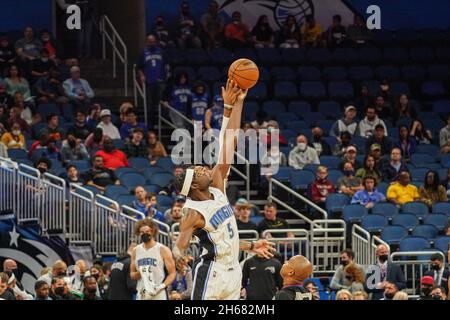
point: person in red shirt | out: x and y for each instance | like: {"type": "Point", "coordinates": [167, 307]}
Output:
{"type": "Point", "coordinates": [237, 33]}
{"type": "Point", "coordinates": [112, 157]}
{"type": "Point", "coordinates": [322, 187]}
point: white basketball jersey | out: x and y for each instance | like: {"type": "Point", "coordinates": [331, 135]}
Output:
{"type": "Point", "coordinates": [150, 265]}
{"type": "Point", "coordinates": [219, 238]}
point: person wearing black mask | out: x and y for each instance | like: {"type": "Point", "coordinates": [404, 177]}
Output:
{"type": "Point", "coordinates": [390, 290]}
{"type": "Point", "coordinates": [340, 280]}
{"type": "Point", "coordinates": [343, 142]}
{"type": "Point", "coordinates": [90, 289]}
{"type": "Point", "coordinates": [382, 273]}
{"type": "Point", "coordinates": [438, 293]}
{"type": "Point", "coordinates": [426, 286]}
{"type": "Point", "coordinates": [59, 269]}
{"type": "Point", "coordinates": [440, 274]}
{"type": "Point", "coordinates": [322, 147]}
{"type": "Point", "coordinates": [59, 290]}
{"type": "Point", "coordinates": [43, 165]}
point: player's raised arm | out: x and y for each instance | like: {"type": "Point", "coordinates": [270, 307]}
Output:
{"type": "Point", "coordinates": [233, 99]}
{"type": "Point", "coordinates": [134, 273]}
{"type": "Point", "coordinates": [262, 247]}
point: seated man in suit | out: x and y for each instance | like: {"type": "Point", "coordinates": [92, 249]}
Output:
{"type": "Point", "coordinates": [382, 273]}
{"type": "Point", "coordinates": [438, 271]}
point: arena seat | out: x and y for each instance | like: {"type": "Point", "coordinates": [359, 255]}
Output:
{"type": "Point", "coordinates": [296, 125]}
{"type": "Point", "coordinates": [422, 159]}
{"type": "Point", "coordinates": [250, 109]}
{"type": "Point", "coordinates": [407, 220]}
{"type": "Point", "coordinates": [388, 72]}
{"type": "Point", "coordinates": [414, 244]}
{"type": "Point", "coordinates": [220, 56]}
{"type": "Point", "coordinates": [413, 72]}
{"type": "Point", "coordinates": [399, 87]}
{"type": "Point", "coordinates": [93, 189]}
{"type": "Point", "coordinates": [285, 118]}
{"type": "Point", "coordinates": [16, 154]}
{"type": "Point", "coordinates": [428, 149]}
{"type": "Point", "coordinates": [190, 71]}
{"type": "Point", "coordinates": [284, 173]}
{"type": "Point", "coordinates": [331, 162]}
{"type": "Point", "coordinates": [138, 163]}
{"type": "Point", "coordinates": [439, 72]}
{"type": "Point", "coordinates": [293, 56]}
{"type": "Point", "coordinates": [132, 180]}
{"type": "Point", "coordinates": [165, 163]}
{"type": "Point", "coordinates": [427, 231]}
{"type": "Point", "coordinates": [442, 243]}
{"type": "Point", "coordinates": [441, 207]}
{"type": "Point", "coordinates": [393, 234]}
{"type": "Point", "coordinates": [438, 220]}
{"type": "Point", "coordinates": [152, 188]}
{"type": "Point", "coordinates": [418, 174]}
{"type": "Point", "coordinates": [340, 90]}
{"type": "Point", "coordinates": [329, 108]}
{"type": "Point", "coordinates": [122, 170]}
{"type": "Point", "coordinates": [385, 209]}
{"type": "Point", "coordinates": [273, 107]}
{"type": "Point", "coordinates": [433, 89]}
{"type": "Point", "coordinates": [197, 57]}
{"type": "Point", "coordinates": [309, 73]}
{"type": "Point", "coordinates": [369, 55]}
{"type": "Point", "coordinates": [118, 143]}
{"type": "Point", "coordinates": [81, 165]}
{"type": "Point", "coordinates": [313, 118]}
{"type": "Point", "coordinates": [285, 90]}
{"type": "Point", "coordinates": [441, 107]}
{"type": "Point", "coordinates": [300, 108]}
{"type": "Point", "coordinates": [344, 56]}
{"type": "Point", "coordinates": [114, 191]}
{"type": "Point", "coordinates": [336, 202]}
{"type": "Point", "coordinates": [422, 54]}
{"type": "Point", "coordinates": [246, 53]}
{"type": "Point", "coordinates": [361, 73]}
{"type": "Point", "coordinates": [334, 175]}
{"type": "Point", "coordinates": [320, 56]}
{"type": "Point", "coordinates": [164, 201]}
{"type": "Point", "coordinates": [258, 92]}
{"type": "Point", "coordinates": [269, 56]}
{"type": "Point", "coordinates": [125, 200]}
{"type": "Point", "coordinates": [311, 167]}
{"type": "Point", "coordinates": [395, 54]}
{"type": "Point", "coordinates": [283, 74]}
{"type": "Point", "coordinates": [46, 109]}
{"type": "Point", "coordinates": [335, 73]}
{"type": "Point", "coordinates": [374, 223]}
{"type": "Point", "coordinates": [313, 90]}
{"type": "Point", "coordinates": [354, 213]}
{"type": "Point", "coordinates": [301, 179]}
{"type": "Point", "coordinates": [209, 74]}
{"type": "Point", "coordinates": [161, 179]}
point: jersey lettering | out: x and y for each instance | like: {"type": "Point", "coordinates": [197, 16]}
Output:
{"type": "Point", "coordinates": [221, 215]}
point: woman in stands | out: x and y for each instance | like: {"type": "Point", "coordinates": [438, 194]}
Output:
{"type": "Point", "coordinates": [403, 109]}
{"type": "Point", "coordinates": [16, 83]}
{"type": "Point", "coordinates": [289, 36]}
{"type": "Point", "coordinates": [369, 169]}
{"type": "Point", "coordinates": [344, 295]}
{"type": "Point", "coordinates": [156, 149]}
{"type": "Point", "coordinates": [14, 139]}
{"type": "Point", "coordinates": [355, 276]}
{"type": "Point", "coordinates": [432, 191]}
{"type": "Point", "coordinates": [421, 134]}
{"type": "Point", "coordinates": [262, 33]}
{"type": "Point", "coordinates": [406, 143]}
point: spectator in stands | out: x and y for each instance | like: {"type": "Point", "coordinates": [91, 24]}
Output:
{"type": "Point", "coordinates": [80, 129]}
{"type": "Point", "coordinates": [108, 128]}
{"type": "Point", "coordinates": [53, 129]}
{"type": "Point", "coordinates": [41, 67]}
{"type": "Point", "coordinates": [369, 169]}
{"type": "Point", "coordinates": [343, 143]}
{"type": "Point", "coordinates": [406, 144]}
{"type": "Point", "coordinates": [271, 161]}
{"type": "Point", "coordinates": [310, 32]}
{"type": "Point", "coordinates": [7, 54]}
{"type": "Point", "coordinates": [59, 269]}
{"type": "Point", "coordinates": [262, 33]}
{"type": "Point", "coordinates": [213, 26]}
{"type": "Point", "coordinates": [421, 134]}
{"type": "Point", "coordinates": [93, 117]}
{"type": "Point", "coordinates": [73, 149]}
{"type": "Point", "coordinates": [25, 111]}
{"type": "Point", "coordinates": [375, 152]}
{"type": "Point", "coordinates": [28, 48]}
{"type": "Point", "coordinates": [363, 100]}
{"type": "Point", "coordinates": [381, 139]}
{"type": "Point", "coordinates": [260, 121]}
{"type": "Point", "coordinates": [170, 189]}
{"type": "Point", "coordinates": [390, 290]}
{"type": "Point", "coordinates": [439, 272]}
{"type": "Point", "coordinates": [438, 293]}
{"type": "Point", "coordinates": [355, 276]}
{"type": "Point", "coordinates": [321, 188]}
{"type": "Point", "coordinates": [384, 89]}
{"type": "Point", "coordinates": [343, 294]}
{"type": "Point", "coordinates": [153, 74]}
{"type": "Point", "coordinates": [51, 150]}
{"type": "Point", "coordinates": [5, 292]}
{"type": "Point", "coordinates": [90, 289]}
{"type": "Point", "coordinates": [3, 151]}
{"type": "Point", "coordinates": [349, 184]}
{"type": "Point", "coordinates": [112, 157]}
{"type": "Point", "coordinates": [385, 272]}
{"type": "Point", "coordinates": [16, 83]}
{"type": "Point", "coordinates": [73, 177]}
{"type": "Point", "coordinates": [289, 36]}
{"type": "Point", "coordinates": [360, 295]}
{"type": "Point", "coordinates": [311, 287]}
{"type": "Point", "coordinates": [162, 33]}
{"type": "Point", "coordinates": [94, 141]}
{"type": "Point", "coordinates": [272, 222]}
{"type": "Point", "coordinates": [302, 155]}
{"type": "Point", "coordinates": [6, 100]}
{"type": "Point", "coordinates": [121, 287]}
{"type": "Point", "coordinates": [400, 295]}
{"type": "Point", "coordinates": [432, 191]}
{"type": "Point", "coordinates": [392, 167]}
{"type": "Point", "coordinates": [366, 127]}
{"type": "Point", "coordinates": [318, 143]}
{"type": "Point", "coordinates": [126, 131]}
{"type": "Point", "coordinates": [100, 176]}
{"type": "Point", "coordinates": [382, 107]}
{"type": "Point", "coordinates": [41, 289]}
{"type": "Point", "coordinates": [155, 148]}
{"type": "Point", "coordinates": [402, 191]}
{"type": "Point", "coordinates": [336, 33]}
{"type": "Point", "coordinates": [49, 88]}
{"type": "Point", "coordinates": [175, 214]}
{"type": "Point", "coordinates": [187, 29]}
{"type": "Point", "coordinates": [237, 33]}
{"type": "Point", "coordinates": [350, 156]}
{"type": "Point", "coordinates": [426, 286]}
{"type": "Point", "coordinates": [358, 33]}
{"type": "Point", "coordinates": [15, 117]}
{"type": "Point", "coordinates": [59, 290]}
{"type": "Point", "coordinates": [369, 196]}
{"type": "Point", "coordinates": [14, 139]}
{"type": "Point", "coordinates": [77, 89]}
{"type": "Point", "coordinates": [403, 109]}
{"type": "Point", "coordinates": [144, 204]}
{"type": "Point", "coordinates": [199, 102]}
{"type": "Point", "coordinates": [136, 147]}
{"type": "Point", "coordinates": [444, 137]}
{"type": "Point", "coordinates": [348, 123]}
{"type": "Point", "coordinates": [261, 278]}
{"type": "Point", "coordinates": [243, 210]}
{"type": "Point", "coordinates": [49, 43]}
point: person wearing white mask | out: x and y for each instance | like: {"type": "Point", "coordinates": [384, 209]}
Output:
{"type": "Point", "coordinates": [14, 139]}
{"type": "Point", "coordinates": [302, 155]}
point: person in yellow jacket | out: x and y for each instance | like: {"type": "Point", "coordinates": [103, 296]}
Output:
{"type": "Point", "coordinates": [14, 139]}
{"type": "Point", "coordinates": [402, 191]}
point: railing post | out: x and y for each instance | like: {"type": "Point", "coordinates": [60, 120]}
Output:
{"type": "Point", "coordinates": [114, 56]}
{"type": "Point", "coordinates": [135, 87]}
{"type": "Point", "coordinates": [159, 121]}
{"type": "Point", "coordinates": [102, 27]}
{"type": "Point", "coordinates": [247, 181]}
{"type": "Point", "coordinates": [144, 98]}
{"type": "Point", "coordinates": [125, 70]}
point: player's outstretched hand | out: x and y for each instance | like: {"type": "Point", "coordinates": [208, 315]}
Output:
{"type": "Point", "coordinates": [230, 92]}
{"type": "Point", "coordinates": [264, 248]}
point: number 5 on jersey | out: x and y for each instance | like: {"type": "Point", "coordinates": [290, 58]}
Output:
{"type": "Point", "coordinates": [230, 230]}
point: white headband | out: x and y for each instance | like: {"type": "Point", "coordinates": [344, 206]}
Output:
{"type": "Point", "coordinates": [187, 182]}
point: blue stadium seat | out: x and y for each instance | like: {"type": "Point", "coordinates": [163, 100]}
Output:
{"type": "Point", "coordinates": [370, 55]}
{"type": "Point", "coordinates": [383, 38]}
{"type": "Point", "coordinates": [413, 72]}
{"type": "Point", "coordinates": [345, 56]}
{"type": "Point", "coordinates": [17, 154]}
{"type": "Point", "coordinates": [285, 118]}
{"type": "Point", "coordinates": [331, 162]}
{"type": "Point", "coordinates": [414, 244]}
{"type": "Point", "coordinates": [93, 189]}
{"type": "Point", "coordinates": [385, 209]}
{"type": "Point", "coordinates": [81, 165]}
{"type": "Point", "coordinates": [313, 118]}
{"type": "Point", "coordinates": [331, 141]}
{"type": "Point", "coordinates": [387, 72]}
{"type": "Point", "coordinates": [197, 57]}
{"type": "Point", "coordinates": [432, 36]}
{"type": "Point", "coordinates": [269, 56]}
{"type": "Point", "coordinates": [428, 149]}
{"type": "Point", "coordinates": [418, 208]}
{"type": "Point", "coordinates": [309, 74]}
{"type": "Point", "coordinates": [433, 89]}
{"type": "Point", "coordinates": [354, 213]}
{"type": "Point", "coordinates": [152, 188]}
{"type": "Point", "coordinates": [209, 74]}
{"type": "Point", "coordinates": [439, 72]}
{"type": "Point", "coordinates": [284, 90]}
{"type": "Point", "coordinates": [56, 164]}
{"type": "Point", "coordinates": [340, 90]}
{"type": "Point", "coordinates": [407, 220]}
{"type": "Point", "coordinates": [132, 180]}
{"type": "Point", "coordinates": [165, 163]}
{"type": "Point", "coordinates": [335, 73]}
{"type": "Point", "coordinates": [293, 56]}
{"type": "Point", "coordinates": [443, 173]}
{"type": "Point", "coordinates": [46, 109]}
{"type": "Point", "coordinates": [422, 54]}
{"type": "Point", "coordinates": [138, 163]}
{"type": "Point", "coordinates": [395, 54]}
{"type": "Point", "coordinates": [221, 56]}
{"type": "Point", "coordinates": [125, 200]}
{"type": "Point", "coordinates": [361, 73]}
{"type": "Point", "coordinates": [329, 108]}
{"type": "Point", "coordinates": [427, 231]}
{"type": "Point", "coordinates": [286, 150]}
{"type": "Point", "coordinates": [325, 125]}
{"type": "Point", "coordinates": [374, 223]}
{"type": "Point", "coordinates": [114, 191]}
{"type": "Point", "coordinates": [301, 179]}
{"type": "Point", "coordinates": [246, 53]}
{"type": "Point", "coordinates": [311, 167]}
{"type": "Point", "coordinates": [120, 171]}
{"type": "Point", "coordinates": [313, 90]}
{"type": "Point", "coordinates": [336, 202]}
{"type": "Point", "coordinates": [398, 87]}
{"type": "Point", "coordinates": [161, 179]}
{"type": "Point", "coordinates": [264, 74]}
{"type": "Point", "coordinates": [26, 162]}
{"type": "Point", "coordinates": [441, 107]}
{"type": "Point", "coordinates": [273, 107]}
{"type": "Point", "coordinates": [334, 175]}
{"type": "Point", "coordinates": [164, 201]}
{"type": "Point", "coordinates": [283, 74]}
{"type": "Point", "coordinates": [299, 107]}
{"type": "Point", "coordinates": [174, 56]}
{"type": "Point", "coordinates": [392, 235]}
{"type": "Point", "coordinates": [297, 125]}
{"type": "Point", "coordinates": [360, 143]}
{"type": "Point", "coordinates": [283, 174]}
{"type": "Point", "coordinates": [441, 207]}
{"type": "Point", "coordinates": [118, 143]}
{"type": "Point", "coordinates": [250, 109]}
{"type": "Point", "coordinates": [319, 56]}
{"type": "Point", "coordinates": [289, 134]}
{"type": "Point", "coordinates": [372, 85]}
{"type": "Point", "coordinates": [256, 219]}
{"type": "Point", "coordinates": [442, 243]}
{"type": "Point", "coordinates": [68, 112]}
{"type": "Point", "coordinates": [189, 71]}
{"type": "Point", "coordinates": [438, 220]}
{"type": "Point", "coordinates": [258, 92]}
{"type": "Point", "coordinates": [419, 174]}
{"type": "Point", "coordinates": [422, 159]}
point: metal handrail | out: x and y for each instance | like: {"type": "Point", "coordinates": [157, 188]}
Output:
{"type": "Point", "coordinates": [142, 92]}
{"type": "Point", "coordinates": [298, 196]}
{"type": "Point", "coordinates": [113, 37]}
{"type": "Point", "coordinates": [245, 176]}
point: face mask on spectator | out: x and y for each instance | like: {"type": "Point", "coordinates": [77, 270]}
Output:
{"type": "Point", "coordinates": [301, 146]}
{"type": "Point", "coordinates": [59, 291]}
{"type": "Point", "coordinates": [389, 295]}
{"type": "Point", "coordinates": [426, 291]}
{"type": "Point", "coordinates": [349, 172]}
{"type": "Point", "coordinates": [92, 291]}
{"type": "Point", "coordinates": [383, 258]}
{"type": "Point", "coordinates": [437, 297]}
{"type": "Point", "coordinates": [16, 132]}
{"type": "Point", "coordinates": [44, 59]}
{"type": "Point", "coordinates": [435, 267]}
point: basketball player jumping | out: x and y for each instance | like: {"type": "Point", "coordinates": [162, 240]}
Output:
{"type": "Point", "coordinates": [208, 215]}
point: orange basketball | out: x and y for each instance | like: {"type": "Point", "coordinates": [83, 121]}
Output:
{"type": "Point", "coordinates": [244, 72]}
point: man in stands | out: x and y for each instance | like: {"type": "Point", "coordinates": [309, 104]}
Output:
{"type": "Point", "coordinates": [136, 147]}
{"type": "Point", "coordinates": [390, 289]}
{"type": "Point", "coordinates": [321, 188]}
{"type": "Point", "coordinates": [213, 26]}
{"type": "Point", "coordinates": [392, 168]}
{"type": "Point", "coordinates": [382, 273]}
{"type": "Point", "coordinates": [237, 33]}
{"type": "Point", "coordinates": [77, 89]}
{"type": "Point", "coordinates": [243, 210]}
{"type": "Point", "coordinates": [302, 155]}
{"type": "Point", "coordinates": [350, 156]}
{"type": "Point", "coordinates": [426, 286]}
{"type": "Point", "coordinates": [73, 149]}
{"type": "Point", "coordinates": [176, 214]}
{"type": "Point", "coordinates": [187, 29]}
{"type": "Point", "coordinates": [41, 67]}
{"type": "Point", "coordinates": [41, 289]}
{"type": "Point", "coordinates": [379, 137]}
{"type": "Point", "coordinates": [272, 222]}
{"type": "Point", "coordinates": [126, 130]}
{"type": "Point", "coordinates": [340, 280]}
{"type": "Point", "coordinates": [59, 269]}
{"type": "Point", "coordinates": [402, 191]}
{"type": "Point", "coordinates": [439, 272]}
{"type": "Point", "coordinates": [349, 184]}
{"type": "Point", "coordinates": [348, 123]}
{"type": "Point", "coordinates": [109, 129]}
{"type": "Point", "coordinates": [438, 293]}
{"type": "Point", "coordinates": [80, 129]}
{"type": "Point", "coordinates": [366, 127]}
{"type": "Point", "coordinates": [112, 157]}
{"type": "Point", "coordinates": [50, 89]}
{"type": "Point", "coordinates": [28, 48]}
{"type": "Point", "coordinates": [318, 143]}
{"type": "Point", "coordinates": [99, 176]}
{"type": "Point", "coordinates": [444, 137]}
{"type": "Point", "coordinates": [53, 129]}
